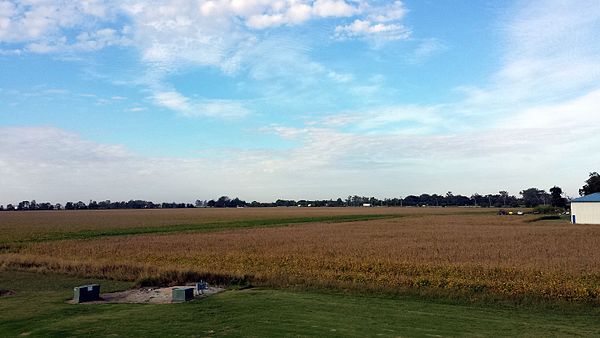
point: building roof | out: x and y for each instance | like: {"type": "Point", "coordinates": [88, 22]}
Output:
{"type": "Point", "coordinates": [589, 198]}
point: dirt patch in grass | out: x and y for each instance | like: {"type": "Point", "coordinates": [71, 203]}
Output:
{"type": "Point", "coordinates": [149, 295]}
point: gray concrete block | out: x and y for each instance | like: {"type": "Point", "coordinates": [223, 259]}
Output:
{"type": "Point", "coordinates": [86, 293]}
{"type": "Point", "coordinates": [182, 294]}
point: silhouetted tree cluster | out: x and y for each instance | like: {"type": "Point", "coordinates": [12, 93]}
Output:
{"type": "Point", "coordinates": [533, 197]}
{"type": "Point", "coordinates": [530, 197]}
{"type": "Point", "coordinates": [592, 185]}
{"type": "Point", "coordinates": [556, 197]}
{"type": "Point", "coordinates": [226, 202]}
{"type": "Point", "coordinates": [497, 200]}
{"type": "Point", "coordinates": [31, 205]}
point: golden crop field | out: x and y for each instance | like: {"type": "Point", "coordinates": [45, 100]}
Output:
{"type": "Point", "coordinates": [465, 252]}
{"type": "Point", "coordinates": [16, 226]}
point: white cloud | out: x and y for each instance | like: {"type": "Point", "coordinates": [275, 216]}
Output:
{"type": "Point", "coordinates": [579, 116]}
{"type": "Point", "coordinates": [46, 163]}
{"type": "Point", "coordinates": [550, 55]}
{"type": "Point", "coordinates": [333, 8]}
{"type": "Point", "coordinates": [380, 24]}
{"type": "Point", "coordinates": [173, 100]}
{"type": "Point", "coordinates": [425, 50]}
{"type": "Point", "coordinates": [219, 33]}
{"type": "Point", "coordinates": [372, 30]}
{"type": "Point", "coordinates": [267, 14]}
{"type": "Point", "coordinates": [172, 35]}
{"type": "Point", "coordinates": [340, 77]}
{"type": "Point", "coordinates": [393, 11]}
{"type": "Point", "coordinates": [48, 144]}
{"type": "Point", "coordinates": [388, 118]}
{"type": "Point", "coordinates": [43, 25]}
{"type": "Point", "coordinates": [187, 107]}
{"type": "Point", "coordinates": [207, 31]}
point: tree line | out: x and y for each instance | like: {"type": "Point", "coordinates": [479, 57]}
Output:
{"type": "Point", "coordinates": [530, 197]}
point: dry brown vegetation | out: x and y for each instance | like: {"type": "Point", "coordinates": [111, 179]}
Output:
{"type": "Point", "coordinates": [467, 254]}
{"type": "Point", "coordinates": [25, 224]}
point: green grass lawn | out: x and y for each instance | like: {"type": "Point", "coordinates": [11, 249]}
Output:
{"type": "Point", "coordinates": [38, 309]}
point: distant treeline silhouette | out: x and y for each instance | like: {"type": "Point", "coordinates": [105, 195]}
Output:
{"type": "Point", "coordinates": [529, 198]}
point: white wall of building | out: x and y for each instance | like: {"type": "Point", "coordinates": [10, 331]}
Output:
{"type": "Point", "coordinates": [586, 212]}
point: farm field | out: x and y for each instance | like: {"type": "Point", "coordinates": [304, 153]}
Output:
{"type": "Point", "coordinates": [425, 269]}
{"type": "Point", "coordinates": [38, 309]}
{"type": "Point", "coordinates": [47, 225]}
{"type": "Point", "coordinates": [472, 253]}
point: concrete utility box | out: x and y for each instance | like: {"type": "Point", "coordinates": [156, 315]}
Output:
{"type": "Point", "coordinates": [182, 294]}
{"type": "Point", "coordinates": [86, 293]}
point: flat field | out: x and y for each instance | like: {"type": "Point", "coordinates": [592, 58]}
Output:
{"type": "Point", "coordinates": [456, 252]}
{"type": "Point", "coordinates": [315, 272]}
{"type": "Point", "coordinates": [49, 225]}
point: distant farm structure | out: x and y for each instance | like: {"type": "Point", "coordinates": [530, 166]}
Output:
{"type": "Point", "coordinates": [586, 209]}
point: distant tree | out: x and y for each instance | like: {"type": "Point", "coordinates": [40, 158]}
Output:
{"type": "Point", "coordinates": [425, 199]}
{"type": "Point", "coordinates": [222, 202]}
{"type": "Point", "coordinates": [544, 197]}
{"type": "Point", "coordinates": [533, 197]}
{"type": "Point", "coordinates": [24, 205]}
{"type": "Point", "coordinates": [489, 198]}
{"type": "Point", "coordinates": [592, 185]}
{"type": "Point", "coordinates": [44, 206]}
{"type": "Point", "coordinates": [504, 195]}
{"type": "Point", "coordinates": [556, 197]}
{"type": "Point", "coordinates": [279, 203]}
{"type": "Point", "coordinates": [411, 200]}
{"type": "Point", "coordinates": [475, 197]}
{"type": "Point", "coordinates": [1, 207]}
{"type": "Point", "coordinates": [80, 205]}
{"type": "Point", "coordinates": [461, 200]}
{"type": "Point", "coordinates": [236, 202]}
{"type": "Point", "coordinates": [449, 198]}
{"type": "Point", "coordinates": [69, 206]}
{"type": "Point", "coordinates": [10, 207]}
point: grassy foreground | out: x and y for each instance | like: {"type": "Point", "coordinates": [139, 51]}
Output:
{"type": "Point", "coordinates": [38, 309]}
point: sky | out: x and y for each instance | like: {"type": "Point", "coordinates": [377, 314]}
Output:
{"type": "Point", "coordinates": [178, 100]}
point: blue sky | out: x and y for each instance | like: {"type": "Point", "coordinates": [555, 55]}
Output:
{"type": "Point", "coordinates": [264, 99]}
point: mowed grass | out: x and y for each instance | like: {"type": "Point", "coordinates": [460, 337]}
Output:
{"type": "Point", "coordinates": [38, 309]}
{"type": "Point", "coordinates": [468, 255]}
